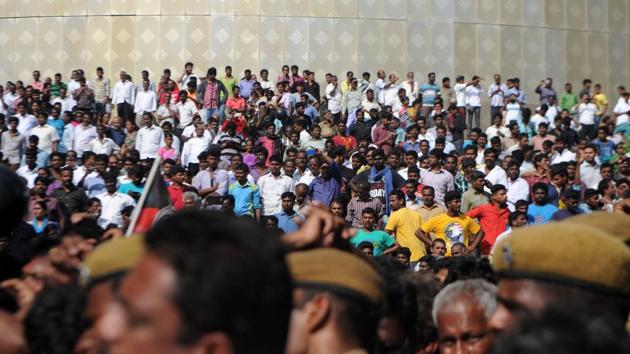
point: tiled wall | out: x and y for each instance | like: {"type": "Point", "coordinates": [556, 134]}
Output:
{"type": "Point", "coordinates": [565, 39]}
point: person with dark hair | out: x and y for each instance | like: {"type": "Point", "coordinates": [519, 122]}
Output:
{"type": "Point", "coordinates": [93, 180]}
{"type": "Point", "coordinates": [458, 249]}
{"type": "Point", "coordinates": [571, 201]}
{"type": "Point", "coordinates": [591, 202]}
{"type": "Point", "coordinates": [402, 225]}
{"type": "Point", "coordinates": [476, 195]}
{"type": "Point", "coordinates": [337, 298]}
{"type": "Point", "coordinates": [452, 226]}
{"type": "Point", "coordinates": [381, 178]}
{"type": "Point", "coordinates": [541, 209]}
{"type": "Point", "coordinates": [123, 98]}
{"type": "Point", "coordinates": [441, 180]}
{"type": "Point", "coordinates": [53, 325]}
{"type": "Point", "coordinates": [589, 167]}
{"type": "Point", "coordinates": [113, 202]}
{"type": "Point", "coordinates": [438, 248]}
{"type": "Point", "coordinates": [381, 241]}
{"type": "Point", "coordinates": [185, 307]}
{"type": "Point", "coordinates": [212, 95]}
{"type": "Point", "coordinates": [72, 198]}
{"type": "Point", "coordinates": [288, 218]}
{"type": "Point", "coordinates": [136, 186]}
{"type": "Point", "coordinates": [493, 217]}
{"type": "Point", "coordinates": [273, 185]}
{"type": "Point", "coordinates": [246, 195]}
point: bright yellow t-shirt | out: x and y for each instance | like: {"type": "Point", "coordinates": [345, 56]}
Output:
{"type": "Point", "coordinates": [451, 229]}
{"type": "Point", "coordinates": [600, 102]}
{"type": "Point", "coordinates": [404, 223]}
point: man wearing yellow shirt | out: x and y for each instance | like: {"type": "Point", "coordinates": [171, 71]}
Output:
{"type": "Point", "coordinates": [601, 101]}
{"type": "Point", "coordinates": [403, 223]}
{"type": "Point", "coordinates": [452, 227]}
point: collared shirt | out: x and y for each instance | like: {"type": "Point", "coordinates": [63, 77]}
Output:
{"type": "Point", "coordinates": [517, 190]}
{"type": "Point", "coordinates": [26, 124]}
{"type": "Point", "coordinates": [271, 189]}
{"type": "Point", "coordinates": [145, 102]}
{"type": "Point", "coordinates": [429, 93]}
{"type": "Point", "coordinates": [496, 100]}
{"type": "Point", "coordinates": [210, 95]}
{"type": "Point", "coordinates": [496, 176]}
{"type": "Point", "coordinates": [246, 198]}
{"type": "Point", "coordinates": [123, 92]}
{"type": "Point", "coordinates": [324, 191]}
{"type": "Point", "coordinates": [192, 148]}
{"type": "Point", "coordinates": [12, 145]}
{"type": "Point", "coordinates": [72, 200]}
{"type": "Point", "coordinates": [351, 100]}
{"type": "Point", "coordinates": [428, 212]}
{"type": "Point", "coordinates": [83, 135]}
{"type": "Point", "coordinates": [208, 179]}
{"type": "Point", "coordinates": [85, 98]}
{"type": "Point", "coordinates": [113, 204]}
{"type": "Point", "coordinates": [67, 139]}
{"type": "Point", "coordinates": [334, 98]}
{"type": "Point", "coordinates": [186, 111]}
{"type": "Point", "coordinates": [105, 146]}
{"type": "Point", "coordinates": [246, 86]}
{"type": "Point", "coordinates": [493, 222]}
{"type": "Point", "coordinates": [473, 95]}
{"type": "Point", "coordinates": [148, 141]}
{"type": "Point", "coordinates": [590, 175]}
{"type": "Point", "coordinates": [287, 222]}
{"type": "Point", "coordinates": [67, 103]}
{"type": "Point", "coordinates": [28, 174]}
{"type": "Point", "coordinates": [101, 89]}
{"type": "Point", "coordinates": [472, 199]}
{"type": "Point", "coordinates": [47, 135]}
{"type": "Point", "coordinates": [441, 181]}
{"type": "Point", "coordinates": [565, 156]}
{"type": "Point", "coordinates": [355, 210]}
{"type": "Point", "coordinates": [94, 185]}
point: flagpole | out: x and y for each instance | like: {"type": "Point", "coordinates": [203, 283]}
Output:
{"type": "Point", "coordinates": [138, 209]}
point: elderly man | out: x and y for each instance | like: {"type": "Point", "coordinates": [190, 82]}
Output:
{"type": "Point", "coordinates": [461, 312]}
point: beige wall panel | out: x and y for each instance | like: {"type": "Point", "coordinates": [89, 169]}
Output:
{"type": "Point", "coordinates": [25, 45]}
{"type": "Point", "coordinates": [7, 46]}
{"type": "Point", "coordinates": [488, 51]}
{"type": "Point", "coordinates": [296, 42]}
{"type": "Point", "coordinates": [619, 70]}
{"type": "Point", "coordinates": [465, 10]}
{"type": "Point", "coordinates": [146, 54]}
{"type": "Point", "coordinates": [25, 8]}
{"type": "Point", "coordinates": [370, 43]}
{"type": "Point", "coordinates": [172, 43]}
{"type": "Point", "coordinates": [98, 45]}
{"type": "Point", "coordinates": [348, 8]}
{"type": "Point", "coordinates": [555, 56]}
{"type": "Point", "coordinates": [99, 7]}
{"type": "Point", "coordinates": [421, 10]}
{"type": "Point", "coordinates": [576, 14]}
{"type": "Point", "coordinates": [322, 8]}
{"type": "Point", "coordinates": [465, 61]}
{"type": "Point", "coordinates": [197, 7]}
{"type": "Point", "coordinates": [320, 43]}
{"type": "Point", "coordinates": [533, 12]}
{"type": "Point", "coordinates": [298, 8]}
{"type": "Point", "coordinates": [246, 49]}
{"type": "Point", "coordinates": [617, 15]}
{"type": "Point", "coordinates": [442, 49]}
{"type": "Point", "coordinates": [222, 7]}
{"type": "Point", "coordinates": [49, 8]}
{"type": "Point", "coordinates": [74, 45]}
{"type": "Point", "coordinates": [272, 53]}
{"type": "Point", "coordinates": [533, 60]}
{"type": "Point", "coordinates": [511, 51]}
{"type": "Point", "coordinates": [273, 7]}
{"type": "Point", "coordinates": [488, 10]}
{"type": "Point", "coordinates": [50, 42]}
{"type": "Point", "coordinates": [222, 44]}
{"type": "Point", "coordinates": [346, 45]}
{"type": "Point", "coordinates": [124, 53]}
{"type": "Point", "coordinates": [370, 9]}
{"type": "Point", "coordinates": [419, 54]}
{"type": "Point", "coordinates": [247, 7]}
{"type": "Point", "coordinates": [394, 34]}
{"type": "Point", "coordinates": [74, 7]}
{"type": "Point", "coordinates": [131, 7]}
{"type": "Point", "coordinates": [442, 10]}
{"type": "Point", "coordinates": [597, 57]}
{"type": "Point", "coordinates": [198, 42]}
{"type": "Point", "coordinates": [512, 11]}
{"type": "Point", "coordinates": [596, 14]}
{"type": "Point", "coordinates": [7, 8]}
{"type": "Point", "coordinates": [168, 7]}
{"type": "Point", "coordinates": [554, 13]}
{"type": "Point", "coordinates": [394, 9]}
{"type": "Point", "coordinates": [576, 56]}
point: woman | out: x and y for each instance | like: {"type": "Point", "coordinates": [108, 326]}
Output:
{"type": "Point", "coordinates": [130, 137]}
{"type": "Point", "coordinates": [541, 172]}
{"type": "Point", "coordinates": [43, 227]}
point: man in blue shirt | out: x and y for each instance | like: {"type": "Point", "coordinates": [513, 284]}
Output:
{"type": "Point", "coordinates": [246, 195]}
{"type": "Point", "coordinates": [429, 91]}
{"type": "Point", "coordinates": [287, 217]}
{"type": "Point", "coordinates": [246, 84]}
{"type": "Point", "coordinates": [324, 188]}
{"type": "Point", "coordinates": [541, 210]}
{"type": "Point", "coordinates": [605, 147]}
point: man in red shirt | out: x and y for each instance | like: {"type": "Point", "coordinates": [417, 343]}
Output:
{"type": "Point", "coordinates": [493, 217]}
{"type": "Point", "coordinates": [177, 188]}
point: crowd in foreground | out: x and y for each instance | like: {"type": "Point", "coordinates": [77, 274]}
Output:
{"type": "Point", "coordinates": [376, 216]}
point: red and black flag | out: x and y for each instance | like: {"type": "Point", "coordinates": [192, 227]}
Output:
{"type": "Point", "coordinates": [153, 203]}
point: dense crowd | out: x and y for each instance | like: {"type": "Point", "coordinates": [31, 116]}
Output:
{"type": "Point", "coordinates": [376, 215]}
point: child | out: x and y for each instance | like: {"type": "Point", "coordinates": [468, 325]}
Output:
{"type": "Point", "coordinates": [167, 151]}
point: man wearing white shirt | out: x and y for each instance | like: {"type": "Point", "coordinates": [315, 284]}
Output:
{"type": "Point", "coordinates": [113, 202]}
{"type": "Point", "coordinates": [186, 109]}
{"type": "Point", "coordinates": [149, 138]}
{"type": "Point", "coordinates": [187, 75]}
{"type": "Point", "coordinates": [586, 117]}
{"type": "Point", "coordinates": [390, 91]}
{"type": "Point", "coordinates": [496, 92]}
{"type": "Point", "coordinates": [145, 102]}
{"type": "Point", "coordinates": [47, 134]}
{"type": "Point", "coordinates": [473, 102]}
{"type": "Point", "coordinates": [11, 98]}
{"type": "Point", "coordinates": [498, 129]}
{"type": "Point", "coordinates": [411, 88]}
{"type": "Point", "coordinates": [460, 94]}
{"type": "Point", "coordinates": [589, 168]}
{"type": "Point", "coordinates": [333, 94]}
{"type": "Point", "coordinates": [66, 101]}
{"type": "Point", "coordinates": [540, 116]}
{"type": "Point", "coordinates": [272, 185]}
{"type": "Point", "coordinates": [102, 144]}
{"type": "Point", "coordinates": [123, 97]}
{"type": "Point", "coordinates": [29, 170]}
{"type": "Point", "coordinates": [379, 85]}
{"type": "Point", "coordinates": [622, 112]}
{"type": "Point", "coordinates": [192, 148]}
{"type": "Point", "coordinates": [494, 173]}
{"type": "Point", "coordinates": [26, 121]}
{"type": "Point", "coordinates": [517, 187]}
{"type": "Point", "coordinates": [84, 133]}
{"type": "Point", "coordinates": [561, 153]}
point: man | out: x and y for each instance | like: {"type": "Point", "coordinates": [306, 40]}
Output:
{"type": "Point", "coordinates": [568, 99]}
{"type": "Point", "coordinates": [476, 195]}
{"type": "Point", "coordinates": [333, 95]}
{"type": "Point", "coordinates": [149, 138]}
{"type": "Point", "coordinates": [517, 187]}
{"type": "Point", "coordinates": [212, 182]}
{"type": "Point", "coordinates": [273, 185]}
{"type": "Point", "coordinates": [172, 289]}
{"type": "Point", "coordinates": [381, 178]}
{"type": "Point", "coordinates": [438, 248]}
{"type": "Point", "coordinates": [212, 95]}
{"type": "Point", "coordinates": [229, 81]}
{"type": "Point", "coordinates": [458, 249]}
{"type": "Point", "coordinates": [494, 173]}
{"type": "Point", "coordinates": [429, 207]}
{"type": "Point", "coordinates": [84, 96]}
{"type": "Point", "coordinates": [461, 312]}
{"type": "Point", "coordinates": [360, 201]}
{"type": "Point", "coordinates": [545, 90]}
{"type": "Point", "coordinates": [351, 99]}
{"type": "Point", "coordinates": [324, 187]}
{"type": "Point", "coordinates": [411, 88]}
{"type": "Point", "coordinates": [102, 144]}
{"type": "Point", "coordinates": [246, 195]}
{"type": "Point", "coordinates": [26, 121]}
{"type": "Point", "coordinates": [246, 84]}
{"type": "Point", "coordinates": [47, 134]}
{"type": "Point", "coordinates": [72, 199]}
{"type": "Point", "coordinates": [571, 200]}
{"type": "Point", "coordinates": [123, 97]}
{"type": "Point", "coordinates": [187, 75]}
{"type": "Point", "coordinates": [382, 242]}
{"type": "Point", "coordinates": [452, 226]}
{"type": "Point", "coordinates": [193, 148]}
{"type": "Point", "coordinates": [589, 168]}
{"type": "Point", "coordinates": [185, 110]}
{"type": "Point", "coordinates": [29, 170]}
{"type": "Point", "coordinates": [528, 286]}
{"type": "Point", "coordinates": [102, 87]}
{"type": "Point", "coordinates": [429, 92]}
{"type": "Point", "coordinates": [542, 136]}
{"type": "Point", "coordinates": [561, 153]}
{"type": "Point", "coordinates": [113, 202]}
{"type": "Point", "coordinates": [493, 217]}
{"type": "Point", "coordinates": [336, 299]}
{"type": "Point", "coordinates": [37, 84]}
{"type": "Point", "coordinates": [288, 218]}
{"type": "Point", "coordinates": [402, 224]}
{"type": "Point", "coordinates": [541, 210]}
{"type": "Point", "coordinates": [496, 92]}
{"type": "Point", "coordinates": [12, 144]}
{"type": "Point", "coordinates": [498, 129]}
{"type": "Point", "coordinates": [437, 177]}
{"type": "Point", "coordinates": [146, 102]}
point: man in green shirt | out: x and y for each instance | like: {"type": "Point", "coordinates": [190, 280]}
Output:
{"type": "Point", "coordinates": [476, 195]}
{"type": "Point", "coordinates": [229, 81]}
{"type": "Point", "coordinates": [383, 243]}
{"type": "Point", "coordinates": [569, 99]}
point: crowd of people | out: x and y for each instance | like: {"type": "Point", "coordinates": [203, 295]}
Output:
{"type": "Point", "coordinates": [365, 216]}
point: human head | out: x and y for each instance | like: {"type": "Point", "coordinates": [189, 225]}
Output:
{"type": "Point", "coordinates": [453, 201]}
{"type": "Point", "coordinates": [458, 249]}
{"type": "Point", "coordinates": [540, 191]}
{"type": "Point", "coordinates": [438, 248]}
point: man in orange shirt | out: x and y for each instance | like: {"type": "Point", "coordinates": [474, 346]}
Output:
{"type": "Point", "coordinates": [493, 217]}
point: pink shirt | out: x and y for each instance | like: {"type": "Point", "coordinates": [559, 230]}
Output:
{"type": "Point", "coordinates": [166, 153]}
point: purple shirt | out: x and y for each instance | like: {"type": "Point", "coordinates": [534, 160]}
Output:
{"type": "Point", "coordinates": [246, 88]}
{"type": "Point", "coordinates": [324, 191]}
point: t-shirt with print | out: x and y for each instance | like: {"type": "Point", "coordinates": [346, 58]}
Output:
{"type": "Point", "coordinates": [451, 229]}
{"type": "Point", "coordinates": [379, 239]}
{"type": "Point", "coordinates": [377, 186]}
